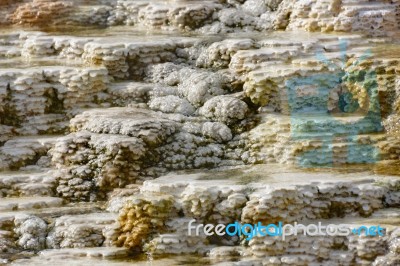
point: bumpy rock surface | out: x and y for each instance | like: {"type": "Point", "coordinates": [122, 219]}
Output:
{"type": "Point", "coordinates": [121, 121]}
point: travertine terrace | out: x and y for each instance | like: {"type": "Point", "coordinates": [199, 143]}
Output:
{"type": "Point", "coordinates": [120, 121]}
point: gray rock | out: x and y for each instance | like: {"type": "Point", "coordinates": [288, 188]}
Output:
{"type": "Point", "coordinates": [171, 104]}
{"type": "Point", "coordinates": [31, 232]}
{"type": "Point", "coordinates": [226, 109]}
{"type": "Point", "coordinates": [217, 131]}
{"type": "Point", "coordinates": [255, 7]}
{"type": "Point", "coordinates": [199, 86]}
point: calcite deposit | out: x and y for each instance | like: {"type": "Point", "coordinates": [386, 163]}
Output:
{"type": "Point", "coordinates": [39, 11]}
{"type": "Point", "coordinates": [123, 121]}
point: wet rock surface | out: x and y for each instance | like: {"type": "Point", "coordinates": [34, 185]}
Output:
{"type": "Point", "coordinates": [121, 121]}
